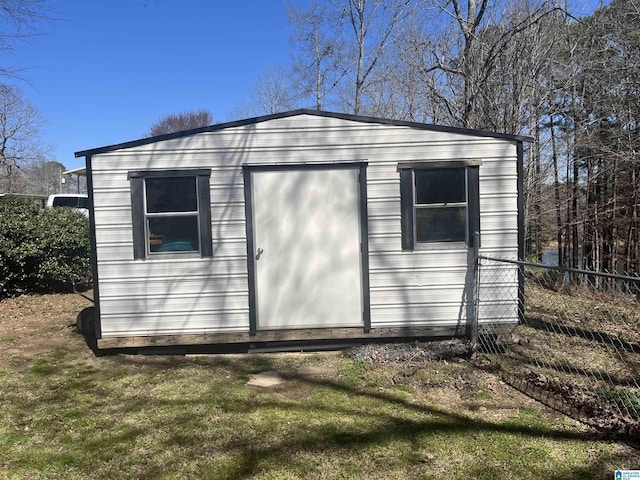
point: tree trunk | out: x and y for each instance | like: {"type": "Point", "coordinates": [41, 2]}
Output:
{"type": "Point", "coordinates": [574, 211]}
{"type": "Point", "coordinates": [538, 196]}
{"type": "Point", "coordinates": [556, 189]}
{"type": "Point", "coordinates": [590, 220]}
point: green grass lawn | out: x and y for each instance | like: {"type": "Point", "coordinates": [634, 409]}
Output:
{"type": "Point", "coordinates": [65, 413]}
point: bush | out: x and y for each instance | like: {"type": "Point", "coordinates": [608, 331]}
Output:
{"type": "Point", "coordinates": [41, 250]}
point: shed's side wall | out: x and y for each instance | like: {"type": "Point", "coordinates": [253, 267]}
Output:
{"type": "Point", "coordinates": [169, 296]}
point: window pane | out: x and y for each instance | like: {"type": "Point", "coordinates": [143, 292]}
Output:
{"type": "Point", "coordinates": [67, 202]}
{"type": "Point", "coordinates": [442, 224]}
{"type": "Point", "coordinates": [171, 194]}
{"type": "Point", "coordinates": [440, 185]}
{"type": "Point", "coordinates": [173, 234]}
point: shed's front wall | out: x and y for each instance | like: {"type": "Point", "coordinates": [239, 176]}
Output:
{"type": "Point", "coordinates": [210, 295]}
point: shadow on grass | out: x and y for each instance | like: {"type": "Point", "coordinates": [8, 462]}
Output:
{"type": "Point", "coordinates": [253, 456]}
{"type": "Point", "coordinates": [591, 335]}
{"type": "Point", "coordinates": [439, 421]}
{"type": "Point", "coordinates": [181, 421]}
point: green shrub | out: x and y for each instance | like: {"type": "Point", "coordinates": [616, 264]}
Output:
{"type": "Point", "coordinates": [41, 250]}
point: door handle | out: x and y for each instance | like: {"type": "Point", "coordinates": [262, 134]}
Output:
{"type": "Point", "coordinates": [259, 252]}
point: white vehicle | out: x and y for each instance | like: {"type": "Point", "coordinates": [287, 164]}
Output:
{"type": "Point", "coordinates": [79, 201]}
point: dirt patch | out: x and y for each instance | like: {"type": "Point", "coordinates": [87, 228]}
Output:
{"type": "Point", "coordinates": [265, 380]}
{"type": "Point", "coordinates": [31, 324]}
{"type": "Point", "coordinates": [439, 371]}
{"type": "Point", "coordinates": [291, 386]}
{"type": "Point", "coordinates": [580, 402]}
{"type": "Point", "coordinates": [576, 350]}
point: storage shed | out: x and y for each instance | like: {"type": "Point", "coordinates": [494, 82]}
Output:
{"type": "Point", "coordinates": [301, 226]}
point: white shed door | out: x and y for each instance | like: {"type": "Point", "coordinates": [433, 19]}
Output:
{"type": "Point", "coordinates": [307, 241]}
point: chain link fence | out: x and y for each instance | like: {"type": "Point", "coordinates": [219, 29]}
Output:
{"type": "Point", "coordinates": [569, 338]}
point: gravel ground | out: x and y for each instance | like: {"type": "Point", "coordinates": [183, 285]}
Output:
{"type": "Point", "coordinates": [414, 352]}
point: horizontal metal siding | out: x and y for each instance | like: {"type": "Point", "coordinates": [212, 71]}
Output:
{"type": "Point", "coordinates": [216, 284]}
{"type": "Point", "coordinates": [170, 271]}
{"type": "Point", "coordinates": [165, 296]}
{"type": "Point", "coordinates": [186, 303]}
{"type": "Point", "coordinates": [121, 251]}
{"type": "Point", "coordinates": [176, 322]}
{"type": "Point", "coordinates": [450, 313]}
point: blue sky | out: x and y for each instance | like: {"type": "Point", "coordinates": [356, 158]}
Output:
{"type": "Point", "coordinates": [103, 72]}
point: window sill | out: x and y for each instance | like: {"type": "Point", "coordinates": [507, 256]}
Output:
{"type": "Point", "coordinates": [171, 255]}
{"type": "Point", "coordinates": [438, 246]}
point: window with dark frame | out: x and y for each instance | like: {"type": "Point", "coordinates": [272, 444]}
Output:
{"type": "Point", "coordinates": [171, 212]}
{"type": "Point", "coordinates": [439, 204]}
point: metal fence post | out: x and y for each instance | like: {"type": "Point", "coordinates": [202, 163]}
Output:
{"type": "Point", "coordinates": [475, 295]}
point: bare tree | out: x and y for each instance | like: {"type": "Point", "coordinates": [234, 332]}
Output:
{"type": "Point", "coordinates": [274, 92]}
{"type": "Point", "coordinates": [19, 137]}
{"type": "Point", "coordinates": [44, 177]}
{"type": "Point", "coordinates": [318, 60]}
{"type": "Point", "coordinates": [181, 121]}
{"type": "Point", "coordinates": [339, 48]}
{"type": "Point", "coordinates": [19, 120]}
{"type": "Point", "coordinates": [372, 25]}
{"type": "Point", "coordinates": [602, 122]}
{"type": "Point", "coordinates": [466, 47]}
{"type": "Point", "coordinates": [18, 19]}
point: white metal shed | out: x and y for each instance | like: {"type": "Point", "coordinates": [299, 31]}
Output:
{"type": "Point", "coordinates": [300, 226]}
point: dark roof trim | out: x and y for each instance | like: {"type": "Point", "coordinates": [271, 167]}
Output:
{"type": "Point", "coordinates": [413, 165]}
{"type": "Point", "coordinates": [303, 111]}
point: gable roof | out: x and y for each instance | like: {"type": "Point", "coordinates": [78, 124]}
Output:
{"type": "Point", "coordinates": [293, 113]}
